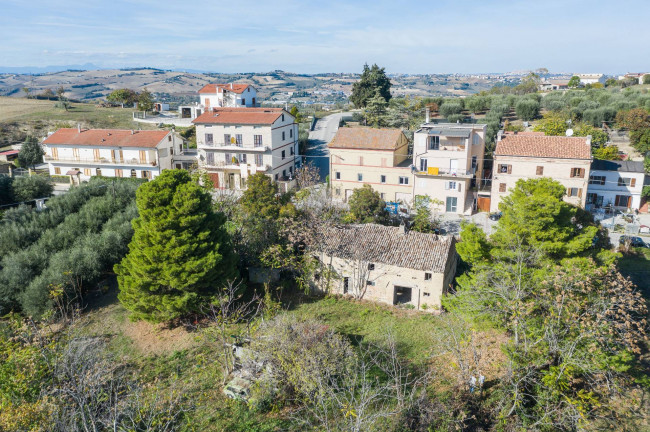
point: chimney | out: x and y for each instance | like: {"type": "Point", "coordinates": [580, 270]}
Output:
{"type": "Point", "coordinates": [427, 115]}
{"type": "Point", "coordinates": [230, 86]}
{"type": "Point", "coordinates": [499, 135]}
{"type": "Point", "coordinates": [131, 131]}
{"type": "Point", "coordinates": [79, 127]}
{"type": "Point", "coordinates": [589, 140]}
{"type": "Point", "coordinates": [403, 229]}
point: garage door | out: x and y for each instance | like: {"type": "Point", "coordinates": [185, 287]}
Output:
{"type": "Point", "coordinates": [483, 204]}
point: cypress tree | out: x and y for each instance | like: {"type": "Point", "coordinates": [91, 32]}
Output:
{"type": "Point", "coordinates": [179, 255]}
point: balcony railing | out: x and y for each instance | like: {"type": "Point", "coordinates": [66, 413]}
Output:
{"type": "Point", "coordinates": [100, 161]}
{"type": "Point", "coordinates": [438, 172]}
{"type": "Point", "coordinates": [232, 165]}
{"type": "Point", "coordinates": [247, 146]}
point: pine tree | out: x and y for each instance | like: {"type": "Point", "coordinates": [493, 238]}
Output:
{"type": "Point", "coordinates": [31, 153]}
{"type": "Point", "coordinates": [373, 79]}
{"type": "Point", "coordinates": [180, 254]}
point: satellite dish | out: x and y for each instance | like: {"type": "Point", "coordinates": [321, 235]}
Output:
{"type": "Point", "coordinates": [569, 132]}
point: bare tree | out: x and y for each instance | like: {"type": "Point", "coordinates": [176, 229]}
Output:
{"type": "Point", "coordinates": [232, 315]}
{"type": "Point", "coordinates": [307, 175]}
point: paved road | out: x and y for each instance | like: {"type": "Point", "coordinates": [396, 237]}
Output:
{"type": "Point", "coordinates": [324, 131]}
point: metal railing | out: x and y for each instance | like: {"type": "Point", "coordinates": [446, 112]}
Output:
{"type": "Point", "coordinates": [232, 165]}
{"type": "Point", "coordinates": [132, 161]}
{"type": "Point", "coordinates": [446, 172]}
{"type": "Point", "coordinates": [234, 146]}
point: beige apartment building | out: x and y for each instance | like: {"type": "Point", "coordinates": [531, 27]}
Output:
{"type": "Point", "coordinates": [234, 143]}
{"type": "Point", "coordinates": [528, 155]}
{"type": "Point", "coordinates": [377, 157]}
{"type": "Point", "coordinates": [385, 264]}
{"type": "Point", "coordinates": [448, 165]}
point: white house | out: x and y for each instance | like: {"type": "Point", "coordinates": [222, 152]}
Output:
{"type": "Point", "coordinates": [448, 163]}
{"type": "Point", "coordinates": [84, 153]}
{"type": "Point", "coordinates": [592, 78]}
{"type": "Point", "coordinates": [234, 143]}
{"type": "Point", "coordinates": [616, 184]}
{"type": "Point", "coordinates": [228, 95]}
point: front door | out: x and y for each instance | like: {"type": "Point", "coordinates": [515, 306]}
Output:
{"type": "Point", "coordinates": [423, 165]}
{"type": "Point", "coordinates": [231, 181]}
{"type": "Point", "coordinates": [452, 204]}
{"type": "Point", "coordinates": [402, 295]}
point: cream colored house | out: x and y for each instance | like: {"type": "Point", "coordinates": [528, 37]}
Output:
{"type": "Point", "coordinates": [528, 155]}
{"type": "Point", "coordinates": [228, 95]}
{"type": "Point", "coordinates": [448, 164]}
{"type": "Point", "coordinates": [234, 143]}
{"type": "Point", "coordinates": [377, 157]}
{"type": "Point", "coordinates": [111, 152]}
{"type": "Point", "coordinates": [617, 184]}
{"type": "Point", "coordinates": [385, 264]}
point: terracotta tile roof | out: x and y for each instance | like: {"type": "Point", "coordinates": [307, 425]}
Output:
{"type": "Point", "coordinates": [387, 245]}
{"type": "Point", "coordinates": [106, 137]}
{"type": "Point", "coordinates": [537, 145]}
{"type": "Point", "coordinates": [9, 153]}
{"type": "Point", "coordinates": [366, 138]}
{"type": "Point", "coordinates": [217, 88]}
{"type": "Point", "coordinates": [255, 116]}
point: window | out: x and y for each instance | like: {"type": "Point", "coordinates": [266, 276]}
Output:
{"type": "Point", "coordinates": [284, 173]}
{"type": "Point", "coordinates": [452, 204]}
{"type": "Point", "coordinates": [98, 172]}
{"type": "Point", "coordinates": [338, 175]}
{"type": "Point", "coordinates": [370, 283]}
{"type": "Point", "coordinates": [87, 172]}
{"type": "Point", "coordinates": [360, 160]}
{"type": "Point", "coordinates": [474, 161]}
{"type": "Point", "coordinates": [574, 192]}
{"type": "Point", "coordinates": [282, 117]}
{"type": "Point", "coordinates": [502, 187]}
{"type": "Point", "coordinates": [118, 173]}
{"type": "Point", "coordinates": [433, 143]}
{"type": "Point", "coordinates": [505, 169]}
{"type": "Point", "coordinates": [425, 294]}
{"type": "Point", "coordinates": [383, 179]}
{"type": "Point", "coordinates": [291, 151]}
{"type": "Point", "coordinates": [276, 177]}
{"type": "Point", "coordinates": [593, 198]}
{"type": "Point", "coordinates": [371, 266]}
{"type": "Point", "coordinates": [337, 191]}
{"type": "Point", "coordinates": [359, 177]}
{"type": "Point", "coordinates": [623, 201]}
{"type": "Point", "coordinates": [597, 180]}
{"type": "Point", "coordinates": [243, 101]}
{"type": "Point", "coordinates": [226, 139]}
{"type": "Point", "coordinates": [238, 140]}
{"type": "Point", "coordinates": [257, 140]}
{"type": "Point", "coordinates": [403, 180]}
{"type": "Point", "coordinates": [133, 174]}
{"type": "Point", "coordinates": [169, 138]}
{"type": "Point", "coordinates": [346, 285]}
{"type": "Point", "coordinates": [57, 170]}
{"type": "Point", "coordinates": [427, 276]}
{"type": "Point", "coordinates": [539, 170]}
{"type": "Point", "coordinates": [228, 157]}
{"type": "Point", "coordinates": [382, 196]}
{"type": "Point", "coordinates": [209, 158]}
{"type": "Point", "coordinates": [242, 158]}
{"type": "Point", "coordinates": [476, 139]}
{"type": "Point", "coordinates": [283, 135]}
{"type": "Point", "coordinates": [626, 181]}
{"type": "Point", "coordinates": [145, 174]}
{"type": "Point", "coordinates": [577, 172]}
{"type": "Point", "coordinates": [259, 160]}
{"type": "Point", "coordinates": [450, 185]}
{"type": "Point", "coordinates": [290, 133]}
{"type": "Point", "coordinates": [283, 154]}
{"type": "Point", "coordinates": [423, 165]}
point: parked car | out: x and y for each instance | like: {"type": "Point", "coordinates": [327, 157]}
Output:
{"type": "Point", "coordinates": [496, 216]}
{"type": "Point", "coordinates": [634, 241]}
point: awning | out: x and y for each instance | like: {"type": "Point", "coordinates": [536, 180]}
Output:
{"type": "Point", "coordinates": [73, 172]}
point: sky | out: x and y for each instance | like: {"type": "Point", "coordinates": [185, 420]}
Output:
{"type": "Point", "coordinates": [432, 36]}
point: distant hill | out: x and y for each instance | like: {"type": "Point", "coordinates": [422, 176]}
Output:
{"type": "Point", "coordinates": [279, 86]}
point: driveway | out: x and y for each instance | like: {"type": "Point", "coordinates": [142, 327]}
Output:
{"type": "Point", "coordinates": [317, 152]}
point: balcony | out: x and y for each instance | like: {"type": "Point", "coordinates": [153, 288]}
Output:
{"type": "Point", "coordinates": [100, 161]}
{"type": "Point", "coordinates": [443, 172]}
{"type": "Point", "coordinates": [231, 166]}
{"type": "Point", "coordinates": [234, 147]}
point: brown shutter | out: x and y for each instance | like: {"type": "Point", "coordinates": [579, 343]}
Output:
{"type": "Point", "coordinates": [633, 182]}
{"type": "Point", "coordinates": [579, 193]}
{"type": "Point", "coordinates": [540, 170]}
{"type": "Point", "coordinates": [502, 187]}
{"type": "Point", "coordinates": [582, 173]}
{"type": "Point", "coordinates": [568, 192]}
{"type": "Point", "coordinates": [143, 156]}
{"type": "Point", "coordinates": [509, 169]}
{"type": "Point", "coordinates": [629, 202]}
{"type": "Point", "coordinates": [96, 154]}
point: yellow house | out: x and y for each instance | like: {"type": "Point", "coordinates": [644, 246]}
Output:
{"type": "Point", "coordinates": [385, 264]}
{"type": "Point", "coordinates": [377, 157]}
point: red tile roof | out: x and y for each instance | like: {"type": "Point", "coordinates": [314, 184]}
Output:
{"type": "Point", "coordinates": [250, 116]}
{"type": "Point", "coordinates": [214, 88]}
{"type": "Point", "coordinates": [366, 138]}
{"type": "Point", "coordinates": [8, 152]}
{"type": "Point", "coordinates": [535, 145]}
{"type": "Point", "coordinates": [106, 137]}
